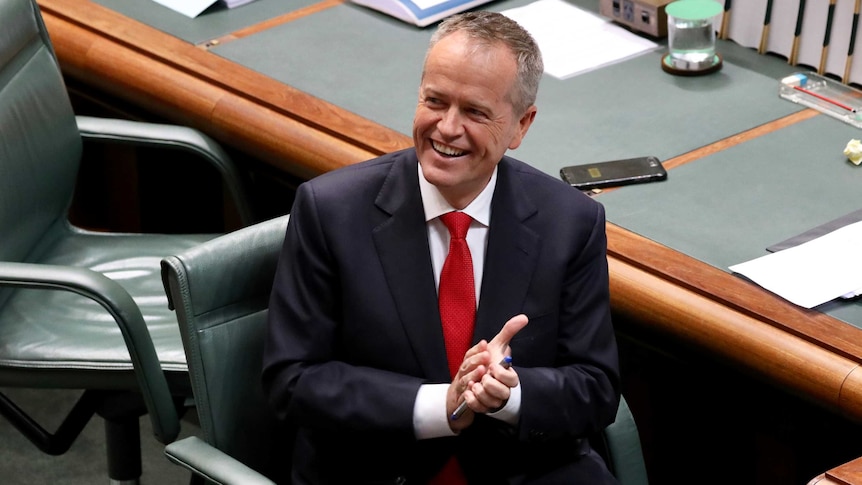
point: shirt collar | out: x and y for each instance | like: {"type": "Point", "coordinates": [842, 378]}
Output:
{"type": "Point", "coordinates": [436, 205]}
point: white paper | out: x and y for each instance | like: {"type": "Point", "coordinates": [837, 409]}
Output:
{"type": "Point", "coordinates": [573, 40]}
{"type": "Point", "coordinates": [814, 272]}
{"type": "Point", "coordinates": [193, 8]}
{"type": "Point", "coordinates": [189, 8]}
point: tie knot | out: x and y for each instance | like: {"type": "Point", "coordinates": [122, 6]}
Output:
{"type": "Point", "coordinates": [457, 223]}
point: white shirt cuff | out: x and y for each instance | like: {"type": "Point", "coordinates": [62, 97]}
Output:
{"type": "Point", "coordinates": [429, 412]}
{"type": "Point", "coordinates": [510, 412]}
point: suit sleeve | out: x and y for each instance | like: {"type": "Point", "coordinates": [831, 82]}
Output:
{"type": "Point", "coordinates": [578, 393]}
{"type": "Point", "coordinates": [306, 376]}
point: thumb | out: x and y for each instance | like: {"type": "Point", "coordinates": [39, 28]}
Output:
{"type": "Point", "coordinates": [509, 330]}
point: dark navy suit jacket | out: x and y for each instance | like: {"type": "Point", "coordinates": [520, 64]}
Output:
{"type": "Point", "coordinates": [354, 329]}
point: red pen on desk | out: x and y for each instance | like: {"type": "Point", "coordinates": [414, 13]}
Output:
{"type": "Point", "coordinates": [506, 362]}
{"type": "Point", "coordinates": [824, 98]}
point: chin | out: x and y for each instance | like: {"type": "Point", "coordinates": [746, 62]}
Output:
{"type": "Point", "coordinates": [439, 177]}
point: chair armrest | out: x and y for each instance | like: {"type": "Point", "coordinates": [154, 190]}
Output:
{"type": "Point", "coordinates": [206, 461]}
{"type": "Point", "coordinates": [171, 136]}
{"type": "Point", "coordinates": [116, 301]}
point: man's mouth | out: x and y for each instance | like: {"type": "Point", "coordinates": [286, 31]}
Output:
{"type": "Point", "coordinates": [446, 150]}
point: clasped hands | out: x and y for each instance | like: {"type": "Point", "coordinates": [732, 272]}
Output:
{"type": "Point", "coordinates": [481, 381]}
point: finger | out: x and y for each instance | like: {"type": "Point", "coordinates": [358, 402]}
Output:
{"type": "Point", "coordinates": [467, 380]}
{"type": "Point", "coordinates": [476, 355]}
{"type": "Point", "coordinates": [506, 375]}
{"type": "Point", "coordinates": [494, 389]}
{"type": "Point", "coordinates": [488, 395]}
{"type": "Point", "coordinates": [509, 330]}
{"type": "Point", "coordinates": [474, 362]}
{"type": "Point", "coordinates": [480, 347]}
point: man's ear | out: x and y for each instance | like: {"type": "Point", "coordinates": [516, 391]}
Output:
{"type": "Point", "coordinates": [523, 125]}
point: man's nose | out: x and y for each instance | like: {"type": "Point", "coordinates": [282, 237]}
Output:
{"type": "Point", "coordinates": [451, 122]}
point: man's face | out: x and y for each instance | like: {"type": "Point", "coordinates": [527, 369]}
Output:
{"type": "Point", "coordinates": [464, 121]}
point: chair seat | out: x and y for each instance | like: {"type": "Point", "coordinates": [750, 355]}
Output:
{"type": "Point", "coordinates": [76, 332]}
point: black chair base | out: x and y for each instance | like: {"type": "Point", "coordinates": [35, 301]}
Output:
{"type": "Point", "coordinates": [121, 411]}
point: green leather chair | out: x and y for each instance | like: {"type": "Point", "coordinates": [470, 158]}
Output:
{"type": "Point", "coordinates": [220, 291]}
{"type": "Point", "coordinates": [623, 448]}
{"type": "Point", "coordinates": [79, 309]}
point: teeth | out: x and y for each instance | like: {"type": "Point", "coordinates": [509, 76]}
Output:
{"type": "Point", "coordinates": [447, 150]}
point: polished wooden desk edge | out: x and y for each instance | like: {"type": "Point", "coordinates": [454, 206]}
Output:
{"type": "Point", "coordinates": [291, 129]}
{"type": "Point", "coordinates": [849, 473]}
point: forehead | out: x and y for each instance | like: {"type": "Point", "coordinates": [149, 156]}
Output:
{"type": "Point", "coordinates": [471, 49]}
{"type": "Point", "coordinates": [468, 64]}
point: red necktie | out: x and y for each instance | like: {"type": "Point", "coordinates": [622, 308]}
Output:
{"type": "Point", "coordinates": [457, 293]}
{"type": "Point", "coordinates": [457, 300]}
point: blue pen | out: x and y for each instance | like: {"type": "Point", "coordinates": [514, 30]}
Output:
{"type": "Point", "coordinates": [506, 362]}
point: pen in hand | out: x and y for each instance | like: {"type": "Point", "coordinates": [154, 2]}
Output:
{"type": "Point", "coordinates": [506, 362]}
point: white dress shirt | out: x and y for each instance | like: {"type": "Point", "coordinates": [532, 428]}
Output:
{"type": "Point", "coordinates": [429, 411]}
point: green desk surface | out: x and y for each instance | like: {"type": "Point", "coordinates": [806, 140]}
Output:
{"type": "Point", "coordinates": [214, 22]}
{"type": "Point", "coordinates": [370, 64]}
{"type": "Point", "coordinates": [730, 206]}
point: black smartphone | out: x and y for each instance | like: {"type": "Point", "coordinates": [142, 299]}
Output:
{"type": "Point", "coordinates": [614, 173]}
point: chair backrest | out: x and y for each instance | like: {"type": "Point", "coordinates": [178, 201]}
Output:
{"type": "Point", "coordinates": [220, 291]}
{"type": "Point", "coordinates": [40, 146]}
{"type": "Point", "coordinates": [625, 455]}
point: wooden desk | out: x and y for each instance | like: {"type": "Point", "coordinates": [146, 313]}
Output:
{"type": "Point", "coordinates": [847, 474]}
{"type": "Point", "coordinates": [806, 352]}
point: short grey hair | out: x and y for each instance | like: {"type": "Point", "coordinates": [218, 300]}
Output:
{"type": "Point", "coordinates": [491, 27]}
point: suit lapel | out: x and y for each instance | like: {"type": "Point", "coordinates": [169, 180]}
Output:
{"type": "Point", "coordinates": [402, 246]}
{"type": "Point", "coordinates": [511, 255]}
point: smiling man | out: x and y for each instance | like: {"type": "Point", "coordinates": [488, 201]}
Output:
{"type": "Point", "coordinates": [441, 314]}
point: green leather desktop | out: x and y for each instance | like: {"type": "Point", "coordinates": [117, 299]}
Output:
{"type": "Point", "coordinates": [334, 85]}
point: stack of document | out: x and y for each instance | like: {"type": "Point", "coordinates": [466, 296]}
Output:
{"type": "Point", "coordinates": [814, 272]}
